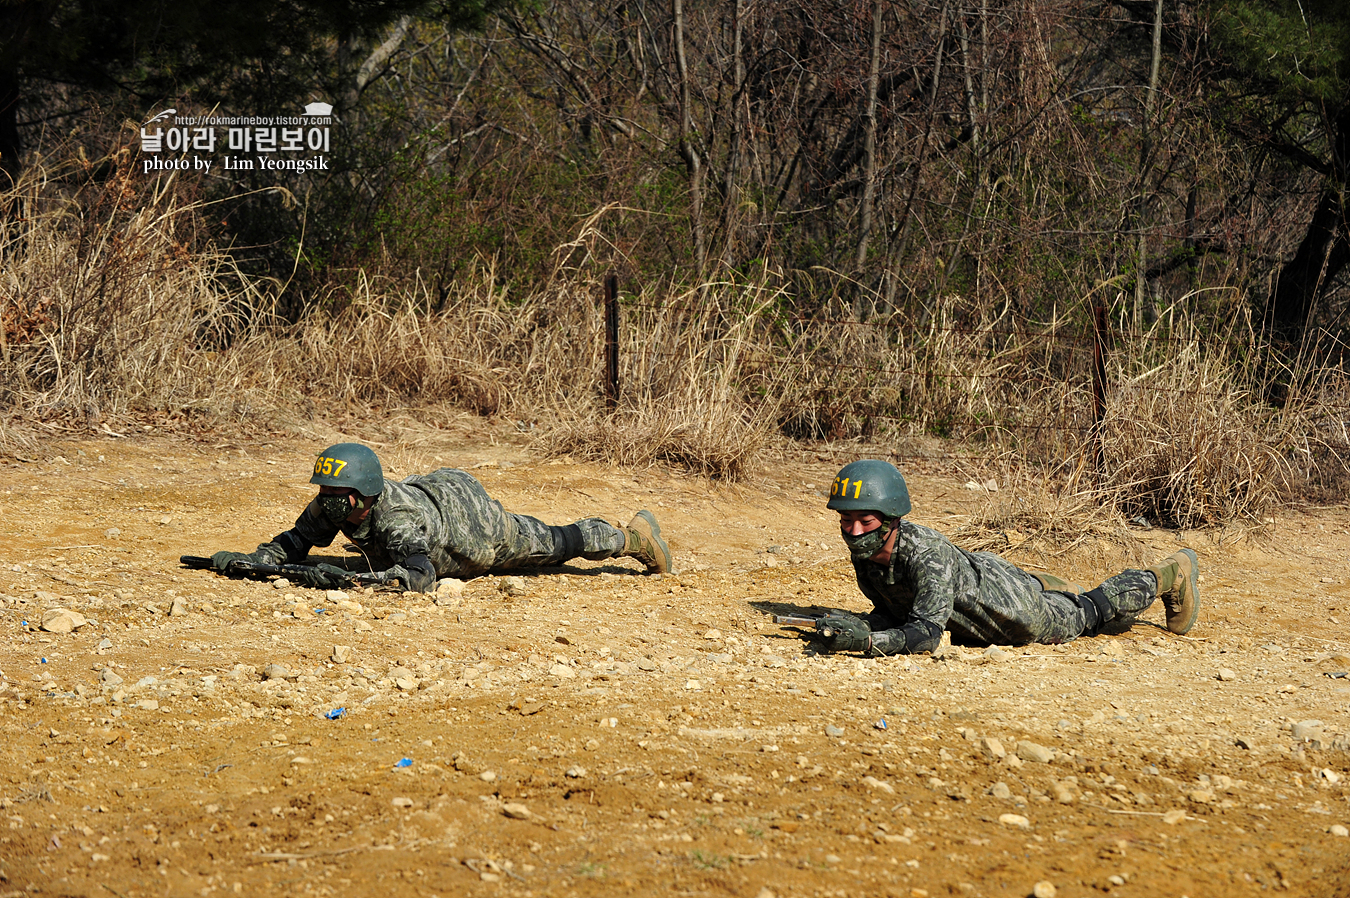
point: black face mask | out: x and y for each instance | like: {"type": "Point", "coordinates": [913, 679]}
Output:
{"type": "Point", "coordinates": [864, 546]}
{"type": "Point", "coordinates": [335, 507]}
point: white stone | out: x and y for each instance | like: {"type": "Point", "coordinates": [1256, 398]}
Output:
{"type": "Point", "coordinates": [1016, 820]}
{"type": "Point", "coordinates": [1338, 830]}
{"type": "Point", "coordinates": [1030, 751]}
{"type": "Point", "coordinates": [62, 620]}
{"type": "Point", "coordinates": [516, 811]}
{"type": "Point", "coordinates": [1043, 889]}
{"type": "Point", "coordinates": [342, 654]}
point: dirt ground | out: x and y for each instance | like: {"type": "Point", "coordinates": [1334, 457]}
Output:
{"type": "Point", "coordinates": [596, 731]}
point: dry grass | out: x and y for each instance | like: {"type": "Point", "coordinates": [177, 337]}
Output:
{"type": "Point", "coordinates": [117, 309]}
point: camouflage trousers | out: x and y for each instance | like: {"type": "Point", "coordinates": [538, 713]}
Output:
{"type": "Point", "coordinates": [529, 542]}
{"type": "Point", "coordinates": [1128, 593]}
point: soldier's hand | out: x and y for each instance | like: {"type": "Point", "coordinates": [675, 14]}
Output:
{"type": "Point", "coordinates": [847, 632]}
{"type": "Point", "coordinates": [221, 561]}
{"type": "Point", "coordinates": [324, 576]}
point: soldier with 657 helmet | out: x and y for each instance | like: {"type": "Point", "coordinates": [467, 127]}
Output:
{"type": "Point", "coordinates": [921, 584]}
{"type": "Point", "coordinates": [442, 524]}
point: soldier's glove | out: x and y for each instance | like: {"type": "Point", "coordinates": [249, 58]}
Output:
{"type": "Point", "coordinates": [324, 576]}
{"type": "Point", "coordinates": [221, 561]}
{"type": "Point", "coordinates": [847, 632]}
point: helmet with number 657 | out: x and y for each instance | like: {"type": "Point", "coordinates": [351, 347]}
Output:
{"type": "Point", "coordinates": [349, 465]}
{"type": "Point", "coordinates": [870, 485]}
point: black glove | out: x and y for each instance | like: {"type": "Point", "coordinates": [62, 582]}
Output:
{"type": "Point", "coordinates": [324, 576]}
{"type": "Point", "coordinates": [221, 561]}
{"type": "Point", "coordinates": [846, 632]}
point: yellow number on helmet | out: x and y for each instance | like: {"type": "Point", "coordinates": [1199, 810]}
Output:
{"type": "Point", "coordinates": [340, 465]}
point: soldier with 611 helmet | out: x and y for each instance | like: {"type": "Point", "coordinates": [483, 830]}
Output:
{"type": "Point", "coordinates": [921, 584]}
{"type": "Point", "coordinates": [442, 524]}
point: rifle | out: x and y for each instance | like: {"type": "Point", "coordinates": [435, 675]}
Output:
{"type": "Point", "coordinates": [258, 571]}
{"type": "Point", "coordinates": [799, 620]}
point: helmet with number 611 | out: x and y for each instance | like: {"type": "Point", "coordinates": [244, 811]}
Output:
{"type": "Point", "coordinates": [870, 485]}
{"type": "Point", "coordinates": [349, 465]}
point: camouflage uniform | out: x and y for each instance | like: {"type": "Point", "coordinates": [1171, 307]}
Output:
{"type": "Point", "coordinates": [978, 596]}
{"type": "Point", "coordinates": [448, 517]}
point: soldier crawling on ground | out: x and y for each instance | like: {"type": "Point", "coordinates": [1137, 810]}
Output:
{"type": "Point", "coordinates": [920, 584]}
{"type": "Point", "coordinates": [430, 526]}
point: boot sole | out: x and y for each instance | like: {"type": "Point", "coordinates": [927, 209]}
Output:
{"type": "Point", "coordinates": [1188, 593]}
{"type": "Point", "coordinates": [664, 562]}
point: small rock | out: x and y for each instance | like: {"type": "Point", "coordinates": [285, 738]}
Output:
{"type": "Point", "coordinates": [1016, 820]}
{"type": "Point", "coordinates": [1065, 793]}
{"type": "Point", "coordinates": [302, 612]}
{"type": "Point", "coordinates": [178, 608]}
{"type": "Point", "coordinates": [341, 654]}
{"type": "Point", "coordinates": [1116, 879]}
{"type": "Point", "coordinates": [62, 620]}
{"type": "Point", "coordinates": [765, 892]}
{"type": "Point", "coordinates": [402, 802]}
{"type": "Point", "coordinates": [512, 586]}
{"type": "Point", "coordinates": [110, 677]}
{"type": "Point", "coordinates": [693, 685]}
{"type": "Point", "coordinates": [562, 671]}
{"type": "Point", "coordinates": [576, 772]}
{"type": "Point", "coordinates": [1329, 775]}
{"type": "Point", "coordinates": [879, 785]}
{"type": "Point", "coordinates": [1043, 889]}
{"type": "Point", "coordinates": [276, 671]}
{"type": "Point", "coordinates": [995, 654]}
{"type": "Point", "coordinates": [352, 608]}
{"type": "Point", "coordinates": [281, 583]}
{"type": "Point", "coordinates": [112, 533]}
{"type": "Point", "coordinates": [148, 704]}
{"type": "Point", "coordinates": [1030, 751]}
{"type": "Point", "coordinates": [488, 776]}
{"type": "Point", "coordinates": [713, 634]}
{"type": "Point", "coordinates": [1306, 729]}
{"type": "Point", "coordinates": [407, 684]}
{"type": "Point", "coordinates": [1338, 830]}
{"type": "Point", "coordinates": [1244, 742]}
{"type": "Point", "coordinates": [1201, 796]}
{"type": "Point", "coordinates": [1226, 675]}
{"type": "Point", "coordinates": [1000, 791]}
{"type": "Point", "coordinates": [334, 596]}
{"type": "Point", "coordinates": [516, 811]}
{"type": "Point", "coordinates": [1172, 818]}
{"type": "Point", "coordinates": [104, 644]}
{"type": "Point", "coordinates": [833, 731]}
{"type": "Point", "coordinates": [646, 664]}
{"type": "Point", "coordinates": [363, 626]}
{"type": "Point", "coordinates": [993, 748]}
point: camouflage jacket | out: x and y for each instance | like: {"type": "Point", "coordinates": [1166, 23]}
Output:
{"type": "Point", "coordinates": [978, 596]}
{"type": "Point", "coordinates": [445, 515]}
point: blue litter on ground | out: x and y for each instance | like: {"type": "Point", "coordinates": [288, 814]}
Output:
{"type": "Point", "coordinates": [336, 713]}
{"type": "Point", "coordinates": [404, 762]}
{"type": "Point", "coordinates": [44, 660]}
{"type": "Point", "coordinates": [880, 724]}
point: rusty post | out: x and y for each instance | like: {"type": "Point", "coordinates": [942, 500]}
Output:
{"type": "Point", "coordinates": [611, 342]}
{"type": "Point", "coordinates": [1099, 388]}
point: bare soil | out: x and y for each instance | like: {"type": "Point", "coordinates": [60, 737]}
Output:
{"type": "Point", "coordinates": [592, 730]}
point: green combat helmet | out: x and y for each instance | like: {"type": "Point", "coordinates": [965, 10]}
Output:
{"type": "Point", "coordinates": [349, 465]}
{"type": "Point", "coordinates": [870, 485]}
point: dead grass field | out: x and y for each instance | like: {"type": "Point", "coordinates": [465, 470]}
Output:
{"type": "Point", "coordinates": [595, 731]}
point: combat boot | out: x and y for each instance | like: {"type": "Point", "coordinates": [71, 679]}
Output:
{"type": "Point", "coordinates": [1179, 590]}
{"type": "Point", "coordinates": [642, 540]}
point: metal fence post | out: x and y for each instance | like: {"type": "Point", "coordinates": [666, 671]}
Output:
{"type": "Point", "coordinates": [1099, 389]}
{"type": "Point", "coordinates": [611, 342]}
